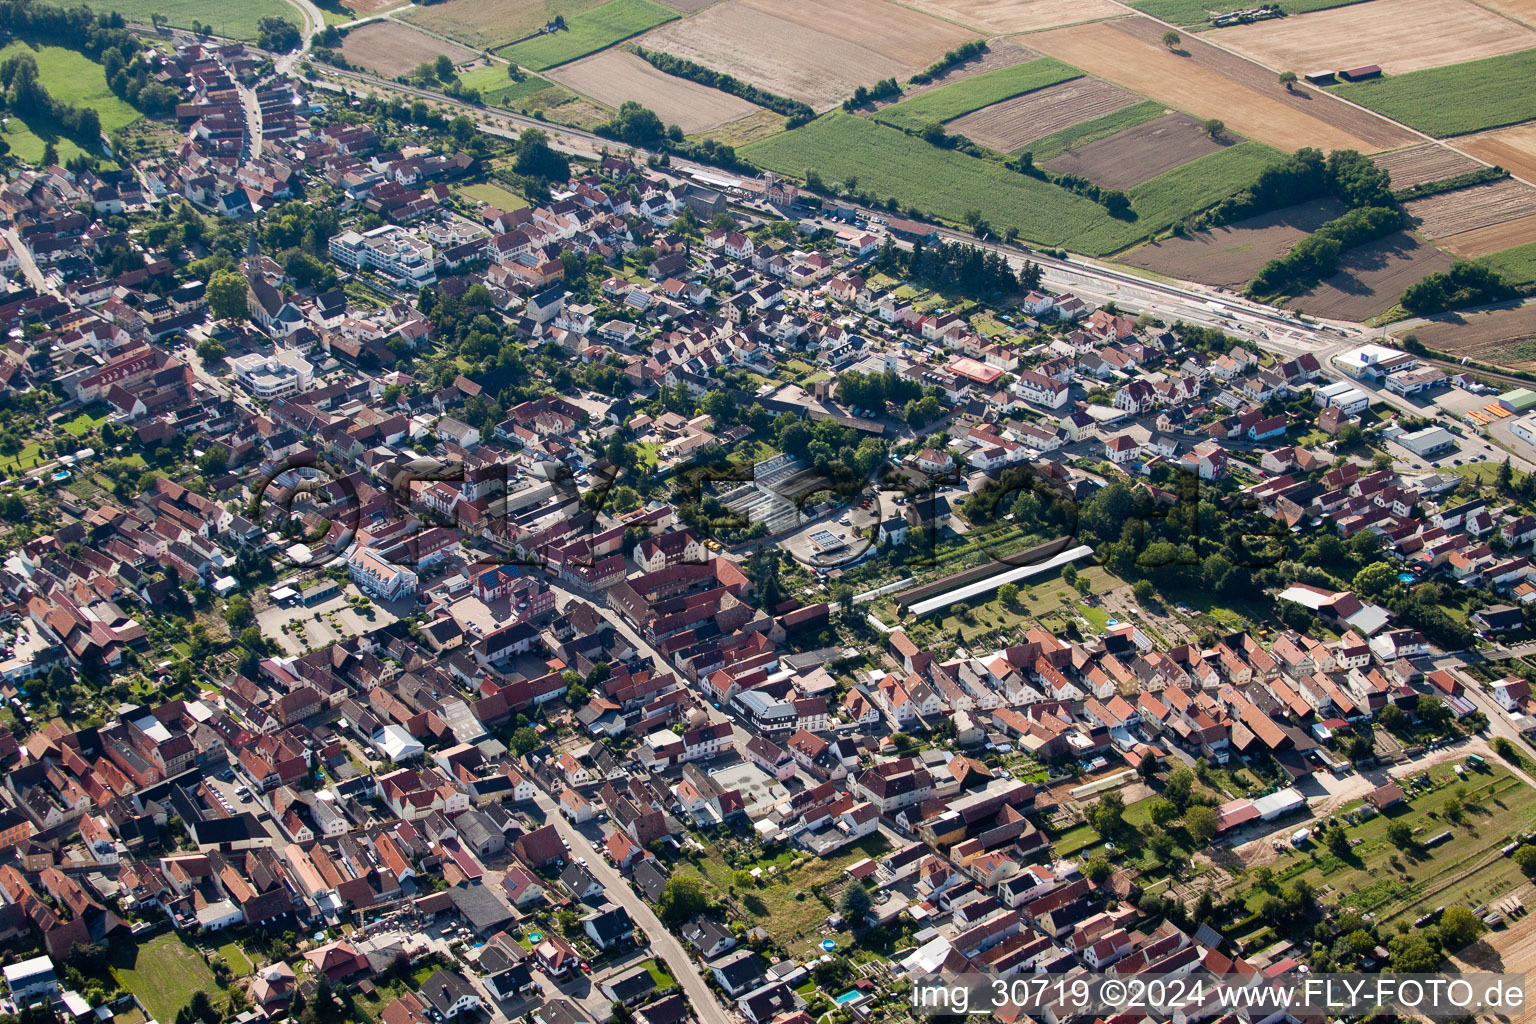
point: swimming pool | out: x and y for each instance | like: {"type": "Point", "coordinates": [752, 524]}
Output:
{"type": "Point", "coordinates": [848, 997]}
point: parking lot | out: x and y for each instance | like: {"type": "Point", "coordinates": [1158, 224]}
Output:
{"type": "Point", "coordinates": [298, 629]}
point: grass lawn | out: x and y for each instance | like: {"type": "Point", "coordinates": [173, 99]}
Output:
{"type": "Point", "coordinates": [773, 903]}
{"type": "Point", "coordinates": [163, 973]}
{"type": "Point", "coordinates": [589, 32]}
{"type": "Point", "coordinates": [1517, 265]}
{"type": "Point", "coordinates": [945, 184]}
{"type": "Point", "coordinates": [1194, 13]}
{"type": "Point", "coordinates": [233, 18]}
{"type": "Point", "coordinates": [88, 420]}
{"type": "Point", "coordinates": [239, 963]}
{"type": "Point", "coordinates": [977, 91]}
{"type": "Point", "coordinates": [495, 195]}
{"type": "Point", "coordinates": [659, 975]}
{"type": "Point", "coordinates": [1467, 868]}
{"type": "Point", "coordinates": [23, 459]}
{"type": "Point", "coordinates": [497, 90]}
{"type": "Point", "coordinates": [1454, 100]}
{"type": "Point", "coordinates": [1094, 129]}
{"type": "Point", "coordinates": [73, 78]}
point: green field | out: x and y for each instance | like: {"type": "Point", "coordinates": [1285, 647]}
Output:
{"type": "Point", "coordinates": [233, 18]}
{"type": "Point", "coordinates": [1466, 868]}
{"type": "Point", "coordinates": [497, 90]}
{"type": "Point", "coordinates": [163, 972]}
{"type": "Point", "coordinates": [28, 147]}
{"type": "Point", "coordinates": [1193, 13]}
{"type": "Point", "coordinates": [1518, 265]}
{"type": "Point", "coordinates": [945, 183]}
{"type": "Point", "coordinates": [1454, 100]}
{"type": "Point", "coordinates": [73, 78]}
{"type": "Point", "coordinates": [589, 32]}
{"type": "Point", "coordinates": [485, 25]}
{"type": "Point", "coordinates": [494, 195]}
{"type": "Point", "coordinates": [975, 92]}
{"type": "Point", "coordinates": [1084, 132]}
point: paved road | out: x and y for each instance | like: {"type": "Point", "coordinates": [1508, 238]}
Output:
{"type": "Point", "coordinates": [663, 943]}
{"type": "Point", "coordinates": [28, 265]}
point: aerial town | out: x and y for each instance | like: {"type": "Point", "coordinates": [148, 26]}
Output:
{"type": "Point", "coordinates": [465, 568]}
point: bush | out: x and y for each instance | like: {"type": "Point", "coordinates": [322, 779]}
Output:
{"type": "Point", "coordinates": [1465, 284]}
{"type": "Point", "coordinates": [1317, 255]}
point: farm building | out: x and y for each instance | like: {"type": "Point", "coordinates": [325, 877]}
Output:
{"type": "Point", "coordinates": [1322, 77]}
{"type": "Point", "coordinates": [1362, 72]}
{"type": "Point", "coordinates": [1518, 401]}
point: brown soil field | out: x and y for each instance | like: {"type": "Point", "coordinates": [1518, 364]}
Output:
{"type": "Point", "coordinates": [1209, 82]}
{"type": "Point", "coordinates": [1400, 35]}
{"type": "Point", "coordinates": [614, 75]}
{"type": "Point", "coordinates": [1493, 238]}
{"type": "Point", "coordinates": [1139, 154]}
{"type": "Point", "coordinates": [391, 48]}
{"type": "Point", "coordinates": [1372, 278]}
{"type": "Point", "coordinates": [1429, 162]}
{"type": "Point", "coordinates": [1008, 125]}
{"type": "Point", "coordinates": [369, 6]}
{"type": "Point", "coordinates": [1230, 256]}
{"type": "Point", "coordinates": [817, 51]}
{"type": "Point", "coordinates": [1008, 16]}
{"type": "Point", "coordinates": [1485, 337]}
{"type": "Point", "coordinates": [1468, 209]}
{"type": "Point", "coordinates": [687, 6]}
{"type": "Point", "coordinates": [1513, 149]}
{"type": "Point", "coordinates": [488, 23]}
{"type": "Point", "coordinates": [1523, 11]}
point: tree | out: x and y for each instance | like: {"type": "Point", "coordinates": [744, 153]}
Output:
{"type": "Point", "coordinates": [1215, 127]}
{"type": "Point", "coordinates": [1525, 859]}
{"type": "Point", "coordinates": [1162, 846]}
{"type": "Point", "coordinates": [1201, 823]}
{"type": "Point", "coordinates": [238, 613]}
{"type": "Point", "coordinates": [1143, 591]}
{"type": "Point", "coordinates": [1162, 811]}
{"type": "Point", "coordinates": [1008, 593]}
{"type": "Point", "coordinates": [1098, 868]}
{"type": "Point", "coordinates": [1288, 79]}
{"type": "Point", "coordinates": [1376, 580]}
{"type": "Point", "coordinates": [1412, 954]}
{"type": "Point", "coordinates": [443, 68]}
{"type": "Point", "coordinates": [1400, 835]}
{"type": "Point", "coordinates": [525, 740]}
{"type": "Point", "coordinates": [683, 898]}
{"type": "Point", "coordinates": [1172, 39]}
{"type": "Point", "coordinates": [226, 295]}
{"type": "Point", "coordinates": [1179, 787]}
{"type": "Point", "coordinates": [1458, 927]}
{"type": "Point", "coordinates": [1109, 815]}
{"type": "Point", "coordinates": [854, 906]}
{"type": "Point", "coordinates": [1338, 843]}
{"type": "Point", "coordinates": [277, 34]}
{"type": "Point", "coordinates": [1147, 767]}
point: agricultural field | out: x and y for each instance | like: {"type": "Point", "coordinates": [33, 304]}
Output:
{"type": "Point", "coordinates": [1013, 124]}
{"type": "Point", "coordinates": [589, 32]}
{"type": "Point", "coordinates": [1469, 209]}
{"type": "Point", "coordinates": [1419, 164]}
{"type": "Point", "coordinates": [816, 51]}
{"type": "Point", "coordinates": [753, 128]}
{"type": "Point", "coordinates": [1140, 154]}
{"type": "Point", "coordinates": [1485, 337]}
{"type": "Point", "coordinates": [1400, 35]}
{"type": "Point", "coordinates": [1456, 100]}
{"type": "Point", "coordinates": [1095, 128]}
{"type": "Point", "coordinates": [73, 78]}
{"type": "Point", "coordinates": [486, 25]}
{"type": "Point", "coordinates": [1230, 256]}
{"type": "Point", "coordinates": [1371, 278]}
{"type": "Point", "coordinates": [1513, 149]}
{"type": "Point", "coordinates": [1523, 11]}
{"type": "Point", "coordinates": [235, 19]}
{"type": "Point", "coordinates": [975, 92]}
{"type": "Point", "coordinates": [1491, 239]}
{"type": "Point", "coordinates": [613, 76]}
{"type": "Point", "coordinates": [1208, 82]}
{"type": "Point", "coordinates": [163, 973]}
{"type": "Point", "coordinates": [946, 183]}
{"type": "Point", "coordinates": [1008, 16]}
{"type": "Point", "coordinates": [1196, 13]}
{"type": "Point", "coordinates": [1517, 266]}
{"type": "Point", "coordinates": [391, 48]}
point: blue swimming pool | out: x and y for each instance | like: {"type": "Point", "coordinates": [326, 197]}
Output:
{"type": "Point", "coordinates": [847, 997]}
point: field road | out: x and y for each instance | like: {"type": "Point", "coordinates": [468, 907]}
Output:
{"type": "Point", "coordinates": [663, 943]}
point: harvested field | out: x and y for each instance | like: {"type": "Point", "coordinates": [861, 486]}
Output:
{"type": "Point", "coordinates": [1491, 239]}
{"type": "Point", "coordinates": [1513, 149]}
{"type": "Point", "coordinates": [817, 51]}
{"type": "Point", "coordinates": [1468, 209]}
{"type": "Point", "coordinates": [1095, 128]}
{"type": "Point", "coordinates": [391, 48]}
{"type": "Point", "coordinates": [1139, 154]}
{"type": "Point", "coordinates": [1230, 256]}
{"type": "Point", "coordinates": [687, 6]}
{"type": "Point", "coordinates": [1011, 124]}
{"type": "Point", "coordinates": [1523, 11]}
{"type": "Point", "coordinates": [1008, 16]}
{"type": "Point", "coordinates": [1486, 337]}
{"type": "Point", "coordinates": [1196, 13]}
{"type": "Point", "coordinates": [1418, 164]}
{"type": "Point", "coordinates": [484, 25]}
{"type": "Point", "coordinates": [1209, 82]}
{"type": "Point", "coordinates": [369, 6]}
{"type": "Point", "coordinates": [613, 76]}
{"type": "Point", "coordinates": [1372, 277]}
{"type": "Point", "coordinates": [753, 128]}
{"type": "Point", "coordinates": [1400, 35]}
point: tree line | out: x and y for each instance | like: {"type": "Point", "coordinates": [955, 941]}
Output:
{"type": "Point", "coordinates": [1305, 175]}
{"type": "Point", "coordinates": [1317, 255]}
{"type": "Point", "coordinates": [958, 55]}
{"type": "Point", "coordinates": [956, 267]}
{"type": "Point", "coordinates": [798, 113]}
{"type": "Point", "coordinates": [103, 38]}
